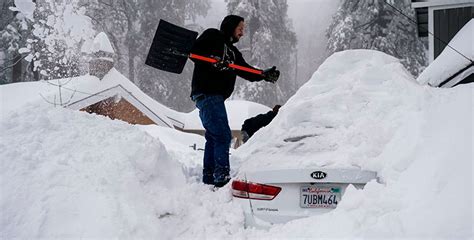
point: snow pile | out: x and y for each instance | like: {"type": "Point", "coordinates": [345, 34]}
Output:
{"type": "Point", "coordinates": [71, 174]}
{"type": "Point", "coordinates": [344, 116]}
{"type": "Point", "coordinates": [363, 110]}
{"type": "Point", "coordinates": [449, 62]}
{"type": "Point", "coordinates": [185, 148]}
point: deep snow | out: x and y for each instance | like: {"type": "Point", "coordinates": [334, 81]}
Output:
{"type": "Point", "coordinates": [363, 110]}
{"type": "Point", "coordinates": [68, 174]}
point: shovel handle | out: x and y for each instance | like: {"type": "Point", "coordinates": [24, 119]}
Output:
{"type": "Point", "coordinates": [234, 66]}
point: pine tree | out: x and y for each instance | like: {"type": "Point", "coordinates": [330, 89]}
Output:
{"type": "Point", "coordinates": [14, 32]}
{"type": "Point", "coordinates": [55, 45]}
{"type": "Point", "coordinates": [270, 41]}
{"type": "Point", "coordinates": [45, 46]}
{"type": "Point", "coordinates": [374, 24]}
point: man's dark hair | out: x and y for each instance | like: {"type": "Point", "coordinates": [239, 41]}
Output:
{"type": "Point", "coordinates": [229, 24]}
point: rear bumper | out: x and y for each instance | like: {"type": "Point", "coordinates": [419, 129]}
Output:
{"type": "Point", "coordinates": [266, 222]}
{"type": "Point", "coordinates": [287, 205]}
{"type": "Point", "coordinates": [263, 217]}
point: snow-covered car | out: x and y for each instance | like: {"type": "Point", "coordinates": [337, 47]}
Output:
{"type": "Point", "coordinates": [278, 196]}
{"type": "Point", "coordinates": [336, 131]}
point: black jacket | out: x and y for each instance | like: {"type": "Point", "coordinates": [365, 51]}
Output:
{"type": "Point", "coordinates": [206, 78]}
{"type": "Point", "coordinates": [253, 124]}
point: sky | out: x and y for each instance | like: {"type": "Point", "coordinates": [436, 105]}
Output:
{"type": "Point", "coordinates": [310, 20]}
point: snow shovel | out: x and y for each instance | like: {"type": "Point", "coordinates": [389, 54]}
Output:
{"type": "Point", "coordinates": [172, 46]}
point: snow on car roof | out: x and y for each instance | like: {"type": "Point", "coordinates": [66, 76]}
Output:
{"type": "Point", "coordinates": [344, 116]}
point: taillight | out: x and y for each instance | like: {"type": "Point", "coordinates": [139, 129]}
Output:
{"type": "Point", "coordinates": [251, 190]}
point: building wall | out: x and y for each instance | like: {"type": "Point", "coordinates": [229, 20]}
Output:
{"type": "Point", "coordinates": [119, 109]}
{"type": "Point", "coordinates": [447, 22]}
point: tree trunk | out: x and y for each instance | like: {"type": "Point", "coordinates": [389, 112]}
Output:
{"type": "Point", "coordinates": [17, 69]}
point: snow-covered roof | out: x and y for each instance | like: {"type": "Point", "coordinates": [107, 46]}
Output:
{"type": "Point", "coordinates": [80, 92]}
{"type": "Point", "coordinates": [237, 112]}
{"type": "Point", "coordinates": [115, 83]}
{"type": "Point", "coordinates": [450, 62]}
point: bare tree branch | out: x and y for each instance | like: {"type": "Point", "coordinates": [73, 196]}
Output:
{"type": "Point", "coordinates": [4, 69]}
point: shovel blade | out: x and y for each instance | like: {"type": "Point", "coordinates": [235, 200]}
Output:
{"type": "Point", "coordinates": [171, 47]}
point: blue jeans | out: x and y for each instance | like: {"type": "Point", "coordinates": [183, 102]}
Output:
{"type": "Point", "coordinates": [218, 137]}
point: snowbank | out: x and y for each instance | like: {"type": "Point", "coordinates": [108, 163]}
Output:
{"type": "Point", "coordinates": [449, 62]}
{"type": "Point", "coordinates": [68, 174]}
{"type": "Point", "coordinates": [185, 148]}
{"type": "Point", "coordinates": [362, 110]}
{"type": "Point", "coordinates": [71, 174]}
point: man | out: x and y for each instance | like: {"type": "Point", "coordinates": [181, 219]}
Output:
{"type": "Point", "coordinates": [254, 124]}
{"type": "Point", "coordinates": [212, 84]}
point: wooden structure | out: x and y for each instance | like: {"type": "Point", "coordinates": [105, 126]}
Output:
{"type": "Point", "coordinates": [115, 96]}
{"type": "Point", "coordinates": [119, 103]}
{"type": "Point", "coordinates": [119, 108]}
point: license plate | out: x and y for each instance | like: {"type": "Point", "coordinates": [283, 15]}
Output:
{"type": "Point", "coordinates": [319, 197]}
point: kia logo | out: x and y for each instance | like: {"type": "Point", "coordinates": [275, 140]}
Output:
{"type": "Point", "coordinates": [318, 175]}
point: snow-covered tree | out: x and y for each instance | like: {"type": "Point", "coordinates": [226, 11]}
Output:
{"type": "Point", "coordinates": [46, 35]}
{"type": "Point", "coordinates": [270, 41]}
{"type": "Point", "coordinates": [14, 32]}
{"type": "Point", "coordinates": [60, 29]}
{"type": "Point", "coordinates": [374, 24]}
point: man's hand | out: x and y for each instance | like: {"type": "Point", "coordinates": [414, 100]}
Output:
{"type": "Point", "coordinates": [220, 65]}
{"type": "Point", "coordinates": [271, 74]}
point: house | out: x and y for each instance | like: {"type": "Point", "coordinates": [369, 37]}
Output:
{"type": "Point", "coordinates": [447, 22]}
{"type": "Point", "coordinates": [442, 18]}
{"type": "Point", "coordinates": [107, 92]}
